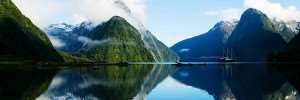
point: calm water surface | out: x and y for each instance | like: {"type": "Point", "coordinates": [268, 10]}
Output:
{"type": "Point", "coordinates": [251, 81]}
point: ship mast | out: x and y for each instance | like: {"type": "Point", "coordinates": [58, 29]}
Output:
{"type": "Point", "coordinates": [223, 53]}
{"type": "Point", "coordinates": [231, 54]}
{"type": "Point", "coordinates": [227, 53]}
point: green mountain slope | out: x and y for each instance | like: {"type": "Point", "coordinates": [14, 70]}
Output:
{"type": "Point", "coordinates": [20, 39]}
{"type": "Point", "coordinates": [159, 51]}
{"type": "Point", "coordinates": [118, 42]}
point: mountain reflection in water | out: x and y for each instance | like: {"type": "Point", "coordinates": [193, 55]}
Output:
{"type": "Point", "coordinates": [153, 82]}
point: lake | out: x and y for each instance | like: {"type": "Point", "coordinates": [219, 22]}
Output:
{"type": "Point", "coordinates": [209, 81]}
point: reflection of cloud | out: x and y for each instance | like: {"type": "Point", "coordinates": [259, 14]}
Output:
{"type": "Point", "coordinates": [171, 82]}
{"type": "Point", "coordinates": [57, 81]}
{"type": "Point", "coordinates": [66, 96]}
{"type": "Point", "coordinates": [170, 87]}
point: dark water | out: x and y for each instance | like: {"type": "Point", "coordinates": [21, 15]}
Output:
{"type": "Point", "coordinates": [238, 81]}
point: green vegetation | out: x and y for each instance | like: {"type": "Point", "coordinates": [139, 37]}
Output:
{"type": "Point", "coordinates": [68, 58]}
{"type": "Point", "coordinates": [121, 43]}
{"type": "Point", "coordinates": [124, 83]}
{"type": "Point", "coordinates": [20, 39]}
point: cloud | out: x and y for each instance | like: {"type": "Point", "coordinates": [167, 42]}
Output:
{"type": "Point", "coordinates": [184, 50]}
{"type": "Point", "coordinates": [45, 12]}
{"type": "Point", "coordinates": [40, 11]}
{"type": "Point", "coordinates": [274, 10]}
{"type": "Point", "coordinates": [90, 42]}
{"type": "Point", "coordinates": [57, 43]}
{"type": "Point", "coordinates": [226, 14]}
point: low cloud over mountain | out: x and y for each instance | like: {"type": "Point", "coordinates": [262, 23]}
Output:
{"type": "Point", "coordinates": [46, 12]}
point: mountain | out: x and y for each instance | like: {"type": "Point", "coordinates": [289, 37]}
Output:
{"type": "Point", "coordinates": [69, 35]}
{"type": "Point", "coordinates": [288, 30]}
{"type": "Point", "coordinates": [255, 38]}
{"type": "Point", "coordinates": [113, 41]}
{"type": "Point", "coordinates": [292, 54]}
{"type": "Point", "coordinates": [159, 51]}
{"type": "Point", "coordinates": [118, 41]}
{"type": "Point", "coordinates": [209, 44]}
{"type": "Point", "coordinates": [20, 39]}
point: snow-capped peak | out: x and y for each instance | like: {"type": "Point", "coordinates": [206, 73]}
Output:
{"type": "Point", "coordinates": [226, 27]}
{"type": "Point", "coordinates": [288, 30]}
{"type": "Point", "coordinates": [63, 26]}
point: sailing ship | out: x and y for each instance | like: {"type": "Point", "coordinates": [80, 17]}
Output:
{"type": "Point", "coordinates": [228, 56]}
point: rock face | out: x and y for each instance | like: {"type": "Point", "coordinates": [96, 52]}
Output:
{"type": "Point", "coordinates": [20, 40]}
{"type": "Point", "coordinates": [209, 44]}
{"type": "Point", "coordinates": [288, 30]}
{"type": "Point", "coordinates": [255, 38]}
{"type": "Point", "coordinates": [113, 41]}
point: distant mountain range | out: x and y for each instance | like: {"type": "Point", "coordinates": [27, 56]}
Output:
{"type": "Point", "coordinates": [253, 37]}
{"type": "Point", "coordinates": [209, 44]}
{"type": "Point", "coordinates": [114, 41]}
{"type": "Point", "coordinates": [68, 35]}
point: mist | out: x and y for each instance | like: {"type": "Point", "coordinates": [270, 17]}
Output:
{"type": "Point", "coordinates": [46, 12]}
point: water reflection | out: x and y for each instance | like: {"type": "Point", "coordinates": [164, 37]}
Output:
{"type": "Point", "coordinates": [24, 84]}
{"type": "Point", "coordinates": [152, 82]}
{"type": "Point", "coordinates": [107, 82]}
{"type": "Point", "coordinates": [239, 81]}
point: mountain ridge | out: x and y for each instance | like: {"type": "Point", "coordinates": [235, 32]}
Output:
{"type": "Point", "coordinates": [255, 30]}
{"type": "Point", "coordinates": [21, 40]}
{"type": "Point", "coordinates": [115, 40]}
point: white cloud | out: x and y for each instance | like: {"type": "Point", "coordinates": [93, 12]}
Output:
{"type": "Point", "coordinates": [274, 10]}
{"type": "Point", "coordinates": [57, 43]}
{"type": "Point", "coordinates": [226, 14]}
{"type": "Point", "coordinates": [45, 12]}
{"type": "Point", "coordinates": [184, 50]}
{"type": "Point", "coordinates": [40, 11]}
{"type": "Point", "coordinates": [90, 42]}
{"type": "Point", "coordinates": [77, 18]}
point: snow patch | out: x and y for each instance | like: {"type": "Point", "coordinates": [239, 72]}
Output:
{"type": "Point", "coordinates": [184, 50]}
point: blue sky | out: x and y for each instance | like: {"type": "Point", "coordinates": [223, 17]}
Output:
{"type": "Point", "coordinates": [181, 19]}
{"type": "Point", "coordinates": [169, 20]}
